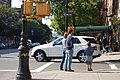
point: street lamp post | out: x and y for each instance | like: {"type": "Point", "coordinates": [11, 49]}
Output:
{"type": "Point", "coordinates": [71, 12]}
{"type": "Point", "coordinates": [73, 17]}
{"type": "Point", "coordinates": [66, 17]}
{"type": "Point", "coordinates": [23, 72]}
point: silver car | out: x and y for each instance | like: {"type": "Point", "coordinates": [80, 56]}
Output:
{"type": "Point", "coordinates": [54, 49]}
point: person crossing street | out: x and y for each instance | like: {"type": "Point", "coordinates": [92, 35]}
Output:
{"type": "Point", "coordinates": [69, 51]}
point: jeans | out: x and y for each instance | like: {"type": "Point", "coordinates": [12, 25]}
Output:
{"type": "Point", "coordinates": [63, 59]}
{"type": "Point", "coordinates": [68, 59]}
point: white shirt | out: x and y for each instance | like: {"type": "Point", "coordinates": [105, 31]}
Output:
{"type": "Point", "coordinates": [64, 43]}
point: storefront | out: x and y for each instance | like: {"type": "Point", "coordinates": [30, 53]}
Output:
{"type": "Point", "coordinates": [93, 30]}
{"type": "Point", "coordinates": [105, 31]}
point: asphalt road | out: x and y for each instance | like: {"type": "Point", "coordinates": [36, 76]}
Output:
{"type": "Point", "coordinates": [9, 65]}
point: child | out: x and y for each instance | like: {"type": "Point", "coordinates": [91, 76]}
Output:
{"type": "Point", "coordinates": [89, 52]}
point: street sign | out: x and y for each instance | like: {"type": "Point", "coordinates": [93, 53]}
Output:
{"type": "Point", "coordinates": [69, 14]}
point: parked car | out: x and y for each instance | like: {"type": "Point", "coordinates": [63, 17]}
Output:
{"type": "Point", "coordinates": [2, 46]}
{"type": "Point", "coordinates": [29, 42]}
{"type": "Point", "coordinates": [54, 49]}
{"type": "Point", "coordinates": [35, 44]}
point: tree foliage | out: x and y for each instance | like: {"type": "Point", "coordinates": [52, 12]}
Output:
{"type": "Point", "coordinates": [8, 18]}
{"type": "Point", "coordinates": [115, 20]}
{"type": "Point", "coordinates": [87, 12]}
{"type": "Point", "coordinates": [36, 30]}
{"type": "Point", "coordinates": [11, 23]}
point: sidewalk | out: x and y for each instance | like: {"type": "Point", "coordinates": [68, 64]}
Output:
{"type": "Point", "coordinates": [92, 75]}
{"type": "Point", "coordinates": [108, 57]}
{"type": "Point", "coordinates": [61, 75]}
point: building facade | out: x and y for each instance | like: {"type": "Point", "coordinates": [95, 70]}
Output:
{"type": "Point", "coordinates": [110, 9]}
{"type": "Point", "coordinates": [118, 32]}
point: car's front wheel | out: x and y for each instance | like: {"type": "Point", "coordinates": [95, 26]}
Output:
{"type": "Point", "coordinates": [81, 56]}
{"type": "Point", "coordinates": [39, 56]}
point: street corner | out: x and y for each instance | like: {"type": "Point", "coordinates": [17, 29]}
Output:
{"type": "Point", "coordinates": [64, 75]}
{"type": "Point", "coordinates": [47, 75]}
{"type": "Point", "coordinates": [113, 53]}
{"type": "Point", "coordinates": [108, 57]}
{"type": "Point", "coordinates": [55, 75]}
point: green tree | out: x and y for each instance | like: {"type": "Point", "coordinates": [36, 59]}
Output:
{"type": "Point", "coordinates": [8, 20]}
{"type": "Point", "coordinates": [87, 12]}
{"type": "Point", "coordinates": [36, 30]}
{"type": "Point", "coordinates": [10, 25]}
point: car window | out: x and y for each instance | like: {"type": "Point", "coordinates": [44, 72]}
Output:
{"type": "Point", "coordinates": [76, 41]}
{"type": "Point", "coordinates": [58, 41]}
{"type": "Point", "coordinates": [91, 40]}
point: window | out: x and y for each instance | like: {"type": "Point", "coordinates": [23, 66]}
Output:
{"type": "Point", "coordinates": [76, 41]}
{"type": "Point", "coordinates": [58, 41]}
{"type": "Point", "coordinates": [91, 40]}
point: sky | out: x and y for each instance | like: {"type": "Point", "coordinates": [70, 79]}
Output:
{"type": "Point", "coordinates": [16, 3]}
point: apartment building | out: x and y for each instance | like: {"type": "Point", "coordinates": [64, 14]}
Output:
{"type": "Point", "coordinates": [118, 15]}
{"type": "Point", "coordinates": [111, 9]}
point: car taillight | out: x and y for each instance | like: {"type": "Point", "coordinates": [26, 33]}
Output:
{"type": "Point", "coordinates": [95, 47]}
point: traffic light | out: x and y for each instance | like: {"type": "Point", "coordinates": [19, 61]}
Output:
{"type": "Point", "coordinates": [28, 7]}
{"type": "Point", "coordinates": [43, 9]}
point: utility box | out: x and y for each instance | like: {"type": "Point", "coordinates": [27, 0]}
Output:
{"type": "Point", "coordinates": [43, 9]}
{"type": "Point", "coordinates": [28, 7]}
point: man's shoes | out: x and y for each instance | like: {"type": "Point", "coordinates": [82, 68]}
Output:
{"type": "Point", "coordinates": [71, 70]}
{"type": "Point", "coordinates": [90, 70]}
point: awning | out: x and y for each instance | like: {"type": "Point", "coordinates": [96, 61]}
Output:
{"type": "Point", "coordinates": [92, 28]}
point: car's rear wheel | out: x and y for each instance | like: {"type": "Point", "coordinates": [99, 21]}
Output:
{"type": "Point", "coordinates": [40, 56]}
{"type": "Point", "coordinates": [81, 56]}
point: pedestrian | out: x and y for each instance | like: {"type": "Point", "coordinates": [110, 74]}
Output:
{"type": "Point", "coordinates": [106, 44]}
{"type": "Point", "coordinates": [69, 51]}
{"type": "Point", "coordinates": [110, 43]}
{"type": "Point", "coordinates": [64, 49]}
{"type": "Point", "coordinates": [89, 53]}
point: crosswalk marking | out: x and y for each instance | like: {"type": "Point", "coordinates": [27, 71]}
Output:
{"type": "Point", "coordinates": [14, 70]}
{"type": "Point", "coordinates": [113, 66]}
{"type": "Point", "coordinates": [8, 70]}
{"type": "Point", "coordinates": [36, 70]}
{"type": "Point", "coordinates": [43, 67]}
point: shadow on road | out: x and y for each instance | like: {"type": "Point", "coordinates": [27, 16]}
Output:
{"type": "Point", "coordinates": [7, 57]}
{"type": "Point", "coordinates": [114, 54]}
{"type": "Point", "coordinates": [116, 61]}
{"type": "Point", "coordinates": [60, 61]}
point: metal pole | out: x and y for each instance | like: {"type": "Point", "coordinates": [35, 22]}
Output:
{"type": "Point", "coordinates": [23, 72]}
{"type": "Point", "coordinates": [66, 17]}
{"type": "Point", "coordinates": [73, 15]}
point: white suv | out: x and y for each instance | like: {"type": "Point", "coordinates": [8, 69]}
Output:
{"type": "Point", "coordinates": [54, 49]}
